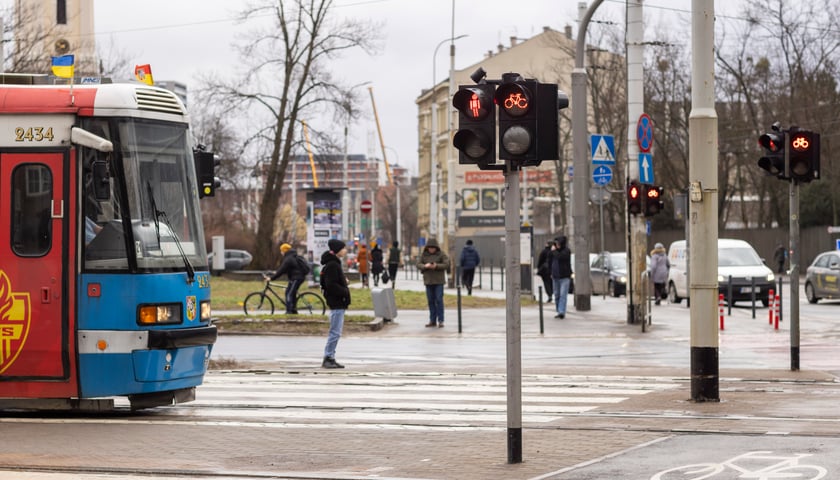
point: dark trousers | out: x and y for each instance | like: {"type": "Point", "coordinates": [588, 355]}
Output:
{"type": "Point", "coordinates": [548, 284]}
{"type": "Point", "coordinates": [291, 295]}
{"type": "Point", "coordinates": [659, 292]}
{"type": "Point", "coordinates": [392, 272]}
{"type": "Point", "coordinates": [467, 276]}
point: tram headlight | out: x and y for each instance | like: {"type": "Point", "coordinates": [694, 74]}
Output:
{"type": "Point", "coordinates": [159, 314]}
{"type": "Point", "coordinates": [205, 311]}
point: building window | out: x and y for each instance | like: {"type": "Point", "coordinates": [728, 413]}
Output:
{"type": "Point", "coordinates": [61, 12]}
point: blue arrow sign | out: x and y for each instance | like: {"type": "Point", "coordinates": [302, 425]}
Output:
{"type": "Point", "coordinates": [602, 175]}
{"type": "Point", "coordinates": [645, 168]}
{"type": "Point", "coordinates": [603, 149]}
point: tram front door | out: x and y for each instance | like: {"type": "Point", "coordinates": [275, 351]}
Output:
{"type": "Point", "coordinates": [37, 353]}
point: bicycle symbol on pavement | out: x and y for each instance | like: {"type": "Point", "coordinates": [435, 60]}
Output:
{"type": "Point", "coordinates": [750, 467]}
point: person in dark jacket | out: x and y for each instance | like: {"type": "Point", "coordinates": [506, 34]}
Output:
{"type": "Point", "coordinates": [433, 264]}
{"type": "Point", "coordinates": [376, 258]}
{"type": "Point", "coordinates": [394, 262]}
{"type": "Point", "coordinates": [561, 274]}
{"type": "Point", "coordinates": [544, 269]}
{"type": "Point", "coordinates": [469, 260]}
{"type": "Point", "coordinates": [291, 268]}
{"type": "Point", "coordinates": [337, 294]}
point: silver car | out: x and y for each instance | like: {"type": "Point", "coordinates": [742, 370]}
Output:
{"type": "Point", "coordinates": [822, 277]}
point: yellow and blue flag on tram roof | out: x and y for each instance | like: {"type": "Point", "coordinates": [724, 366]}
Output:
{"type": "Point", "coordinates": [63, 66]}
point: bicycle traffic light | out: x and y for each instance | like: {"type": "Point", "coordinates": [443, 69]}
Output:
{"type": "Point", "coordinates": [634, 198]}
{"type": "Point", "coordinates": [804, 156]}
{"type": "Point", "coordinates": [517, 100]}
{"type": "Point", "coordinates": [774, 159]}
{"type": "Point", "coordinates": [653, 199]}
{"type": "Point", "coordinates": [476, 135]}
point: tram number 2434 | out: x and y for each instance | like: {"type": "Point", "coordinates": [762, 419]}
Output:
{"type": "Point", "coordinates": [33, 134]}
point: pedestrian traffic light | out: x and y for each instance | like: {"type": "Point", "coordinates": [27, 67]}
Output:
{"type": "Point", "coordinates": [205, 172]}
{"type": "Point", "coordinates": [476, 135]}
{"type": "Point", "coordinates": [634, 198]}
{"type": "Point", "coordinates": [804, 155]}
{"type": "Point", "coordinates": [774, 159]}
{"type": "Point", "coordinates": [517, 101]}
{"type": "Point", "coordinates": [653, 199]}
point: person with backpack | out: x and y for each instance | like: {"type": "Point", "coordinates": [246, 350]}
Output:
{"type": "Point", "coordinates": [469, 260]}
{"type": "Point", "coordinates": [295, 268]}
{"type": "Point", "coordinates": [337, 293]}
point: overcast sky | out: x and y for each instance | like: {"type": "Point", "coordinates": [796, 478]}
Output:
{"type": "Point", "coordinates": [183, 38]}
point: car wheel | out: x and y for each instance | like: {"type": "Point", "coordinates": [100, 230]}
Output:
{"type": "Point", "coordinates": [810, 294]}
{"type": "Point", "coordinates": [672, 294]}
{"type": "Point", "coordinates": [613, 289]}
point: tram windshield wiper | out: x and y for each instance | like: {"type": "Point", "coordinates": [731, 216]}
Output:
{"type": "Point", "coordinates": [161, 214]}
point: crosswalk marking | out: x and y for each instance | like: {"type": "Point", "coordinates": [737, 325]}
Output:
{"type": "Point", "coordinates": [405, 398]}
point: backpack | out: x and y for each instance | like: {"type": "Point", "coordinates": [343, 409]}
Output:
{"type": "Point", "coordinates": [303, 265]}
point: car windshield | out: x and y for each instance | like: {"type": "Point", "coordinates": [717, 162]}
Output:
{"type": "Point", "coordinates": [618, 262]}
{"type": "Point", "coordinates": [738, 257]}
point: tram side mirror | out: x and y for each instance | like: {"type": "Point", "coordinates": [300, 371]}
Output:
{"type": "Point", "coordinates": [101, 180]}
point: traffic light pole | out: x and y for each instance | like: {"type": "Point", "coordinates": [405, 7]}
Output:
{"type": "Point", "coordinates": [794, 275]}
{"type": "Point", "coordinates": [513, 283]}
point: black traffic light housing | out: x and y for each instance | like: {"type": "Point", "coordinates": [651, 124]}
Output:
{"type": "Point", "coordinates": [774, 159]}
{"type": "Point", "coordinates": [476, 135]}
{"type": "Point", "coordinates": [205, 172]}
{"type": "Point", "coordinates": [635, 195]}
{"type": "Point", "coordinates": [804, 155]}
{"type": "Point", "coordinates": [653, 199]}
{"type": "Point", "coordinates": [517, 101]}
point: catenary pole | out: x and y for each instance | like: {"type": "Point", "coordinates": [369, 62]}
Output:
{"type": "Point", "coordinates": [703, 195]}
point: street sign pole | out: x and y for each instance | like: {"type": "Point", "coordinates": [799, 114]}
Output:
{"type": "Point", "coordinates": [513, 315]}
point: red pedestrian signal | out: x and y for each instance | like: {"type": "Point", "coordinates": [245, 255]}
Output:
{"type": "Point", "coordinates": [476, 135]}
{"type": "Point", "coordinates": [634, 198]}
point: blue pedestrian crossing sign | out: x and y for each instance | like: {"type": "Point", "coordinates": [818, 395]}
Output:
{"type": "Point", "coordinates": [602, 175]}
{"type": "Point", "coordinates": [603, 149]}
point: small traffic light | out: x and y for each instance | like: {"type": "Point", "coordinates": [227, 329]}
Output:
{"type": "Point", "coordinates": [653, 200]}
{"type": "Point", "coordinates": [205, 172]}
{"type": "Point", "coordinates": [476, 135]}
{"type": "Point", "coordinates": [804, 156]}
{"type": "Point", "coordinates": [774, 159]}
{"type": "Point", "coordinates": [634, 198]}
{"type": "Point", "coordinates": [517, 101]}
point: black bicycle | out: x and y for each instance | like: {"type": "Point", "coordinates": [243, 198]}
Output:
{"type": "Point", "coordinates": [306, 303]}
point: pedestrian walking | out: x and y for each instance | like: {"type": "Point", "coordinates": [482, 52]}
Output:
{"type": "Point", "coordinates": [336, 292]}
{"type": "Point", "coordinates": [659, 266]}
{"type": "Point", "coordinates": [394, 262]}
{"type": "Point", "coordinates": [433, 264]}
{"type": "Point", "coordinates": [295, 268]}
{"type": "Point", "coordinates": [561, 274]}
{"type": "Point", "coordinates": [544, 269]}
{"type": "Point", "coordinates": [780, 255]}
{"type": "Point", "coordinates": [376, 265]}
{"type": "Point", "coordinates": [364, 265]}
{"type": "Point", "coordinates": [469, 260]}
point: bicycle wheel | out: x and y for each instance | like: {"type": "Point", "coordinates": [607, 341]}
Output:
{"type": "Point", "coordinates": [309, 303]}
{"type": "Point", "coordinates": [258, 303]}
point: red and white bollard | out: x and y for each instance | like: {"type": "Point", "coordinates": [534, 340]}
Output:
{"type": "Point", "coordinates": [772, 299]}
{"type": "Point", "coordinates": [776, 303]}
{"type": "Point", "coordinates": [720, 309]}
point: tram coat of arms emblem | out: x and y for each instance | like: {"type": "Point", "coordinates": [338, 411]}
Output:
{"type": "Point", "coordinates": [15, 315]}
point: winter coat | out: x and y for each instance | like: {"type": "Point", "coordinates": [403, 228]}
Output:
{"type": "Point", "coordinates": [290, 267]}
{"type": "Point", "coordinates": [362, 258]}
{"type": "Point", "coordinates": [561, 260]}
{"type": "Point", "coordinates": [376, 260]}
{"type": "Point", "coordinates": [659, 265]}
{"type": "Point", "coordinates": [437, 274]}
{"type": "Point", "coordinates": [394, 255]}
{"type": "Point", "coordinates": [333, 282]}
{"type": "Point", "coordinates": [543, 264]}
{"type": "Point", "coordinates": [469, 257]}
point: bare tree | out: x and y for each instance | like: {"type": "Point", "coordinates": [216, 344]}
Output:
{"type": "Point", "coordinates": [287, 80]}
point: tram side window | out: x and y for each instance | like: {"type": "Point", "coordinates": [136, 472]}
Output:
{"type": "Point", "coordinates": [32, 189]}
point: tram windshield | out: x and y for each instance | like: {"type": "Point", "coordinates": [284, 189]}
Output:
{"type": "Point", "coordinates": [150, 217]}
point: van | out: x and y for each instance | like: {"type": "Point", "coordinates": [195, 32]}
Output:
{"type": "Point", "coordinates": [737, 260]}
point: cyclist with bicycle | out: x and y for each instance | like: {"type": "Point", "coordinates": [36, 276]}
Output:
{"type": "Point", "coordinates": [292, 268]}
